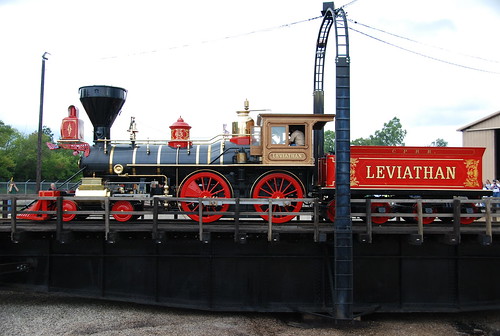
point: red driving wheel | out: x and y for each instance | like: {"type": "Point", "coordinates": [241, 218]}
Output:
{"type": "Point", "coordinates": [205, 185]}
{"type": "Point", "coordinates": [278, 186]}
{"type": "Point", "coordinates": [68, 205]}
{"type": "Point", "coordinates": [122, 206]}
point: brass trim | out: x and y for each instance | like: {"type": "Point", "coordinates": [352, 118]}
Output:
{"type": "Point", "coordinates": [221, 157]}
{"type": "Point", "coordinates": [209, 153]}
{"type": "Point", "coordinates": [134, 156]}
{"type": "Point", "coordinates": [111, 159]}
{"type": "Point", "coordinates": [158, 159]}
{"type": "Point", "coordinates": [118, 169]}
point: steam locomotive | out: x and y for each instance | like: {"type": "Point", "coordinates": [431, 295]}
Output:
{"type": "Point", "coordinates": [257, 160]}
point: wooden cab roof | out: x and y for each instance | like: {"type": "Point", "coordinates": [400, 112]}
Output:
{"type": "Point", "coordinates": [317, 121]}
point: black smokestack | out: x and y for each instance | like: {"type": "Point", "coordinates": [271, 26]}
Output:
{"type": "Point", "coordinates": [102, 104]}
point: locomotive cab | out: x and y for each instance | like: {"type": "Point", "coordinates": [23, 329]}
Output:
{"type": "Point", "coordinates": [286, 138]}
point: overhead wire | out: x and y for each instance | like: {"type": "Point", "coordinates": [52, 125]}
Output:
{"type": "Point", "coordinates": [286, 25]}
{"type": "Point", "coordinates": [424, 55]}
{"type": "Point", "coordinates": [348, 4]}
{"type": "Point", "coordinates": [424, 44]}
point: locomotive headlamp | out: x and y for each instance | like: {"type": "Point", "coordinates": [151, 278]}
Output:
{"type": "Point", "coordinates": [118, 169]}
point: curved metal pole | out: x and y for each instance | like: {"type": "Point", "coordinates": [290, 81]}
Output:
{"type": "Point", "coordinates": [319, 73]}
{"type": "Point", "coordinates": [343, 260]}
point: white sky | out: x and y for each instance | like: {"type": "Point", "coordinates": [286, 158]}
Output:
{"type": "Point", "coordinates": [175, 59]}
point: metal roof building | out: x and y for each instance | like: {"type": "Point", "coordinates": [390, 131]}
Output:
{"type": "Point", "coordinates": [485, 132]}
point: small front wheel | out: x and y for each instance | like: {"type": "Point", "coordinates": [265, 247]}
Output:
{"type": "Point", "coordinates": [68, 205]}
{"type": "Point", "coordinates": [122, 206]}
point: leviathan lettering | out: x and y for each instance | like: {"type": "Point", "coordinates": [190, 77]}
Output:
{"type": "Point", "coordinates": [287, 156]}
{"type": "Point", "coordinates": [411, 172]}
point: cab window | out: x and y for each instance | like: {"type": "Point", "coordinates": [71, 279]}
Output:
{"type": "Point", "coordinates": [278, 135]}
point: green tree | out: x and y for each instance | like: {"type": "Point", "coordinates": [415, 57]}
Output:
{"type": "Point", "coordinates": [25, 156]}
{"type": "Point", "coordinates": [329, 142]}
{"type": "Point", "coordinates": [392, 134]}
{"type": "Point", "coordinates": [56, 164]}
{"type": "Point", "coordinates": [8, 136]}
{"type": "Point", "coordinates": [60, 165]}
{"type": "Point", "coordinates": [439, 143]}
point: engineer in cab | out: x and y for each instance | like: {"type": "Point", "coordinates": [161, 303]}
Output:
{"type": "Point", "coordinates": [296, 137]}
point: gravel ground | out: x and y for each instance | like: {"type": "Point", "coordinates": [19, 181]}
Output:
{"type": "Point", "coordinates": [41, 314]}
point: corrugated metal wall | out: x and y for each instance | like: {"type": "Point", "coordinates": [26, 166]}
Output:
{"type": "Point", "coordinates": [483, 138]}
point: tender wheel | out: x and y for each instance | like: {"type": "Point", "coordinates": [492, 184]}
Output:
{"type": "Point", "coordinates": [470, 208]}
{"type": "Point", "coordinates": [278, 186]}
{"type": "Point", "coordinates": [122, 206]}
{"type": "Point", "coordinates": [330, 211]}
{"type": "Point", "coordinates": [205, 185]}
{"type": "Point", "coordinates": [381, 207]}
{"type": "Point", "coordinates": [68, 205]}
{"type": "Point", "coordinates": [426, 209]}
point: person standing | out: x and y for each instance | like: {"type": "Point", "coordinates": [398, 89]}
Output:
{"type": "Point", "coordinates": [495, 187]}
{"type": "Point", "coordinates": [12, 186]}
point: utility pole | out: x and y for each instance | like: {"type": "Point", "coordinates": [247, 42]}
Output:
{"type": "Point", "coordinates": [40, 123]}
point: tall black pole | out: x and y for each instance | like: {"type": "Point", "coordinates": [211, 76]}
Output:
{"type": "Point", "coordinates": [343, 255]}
{"type": "Point", "coordinates": [343, 226]}
{"type": "Point", "coordinates": [40, 123]}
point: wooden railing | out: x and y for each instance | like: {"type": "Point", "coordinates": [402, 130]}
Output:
{"type": "Point", "coordinates": [157, 216]}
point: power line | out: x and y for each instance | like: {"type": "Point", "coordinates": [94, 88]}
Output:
{"type": "Point", "coordinates": [424, 55]}
{"type": "Point", "coordinates": [286, 25]}
{"type": "Point", "coordinates": [425, 44]}
{"type": "Point", "coordinates": [348, 4]}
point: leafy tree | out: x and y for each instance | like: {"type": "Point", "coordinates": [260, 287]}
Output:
{"type": "Point", "coordinates": [439, 143]}
{"type": "Point", "coordinates": [25, 156]}
{"type": "Point", "coordinates": [329, 142]}
{"type": "Point", "coordinates": [60, 165]}
{"type": "Point", "coordinates": [48, 132]}
{"type": "Point", "coordinates": [392, 134]}
{"type": "Point", "coordinates": [56, 164]}
{"type": "Point", "coordinates": [8, 136]}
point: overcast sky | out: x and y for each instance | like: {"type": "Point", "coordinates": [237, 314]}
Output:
{"type": "Point", "coordinates": [202, 59]}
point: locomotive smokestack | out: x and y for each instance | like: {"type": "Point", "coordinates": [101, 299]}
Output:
{"type": "Point", "coordinates": [102, 104]}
